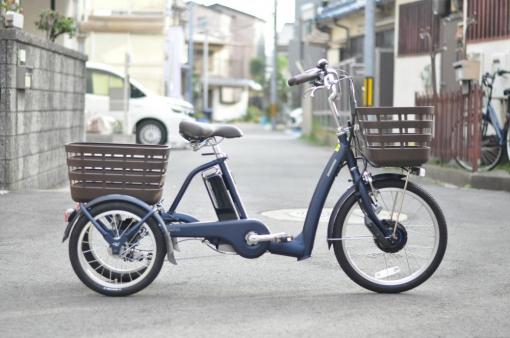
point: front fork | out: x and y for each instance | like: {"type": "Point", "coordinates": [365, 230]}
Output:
{"type": "Point", "coordinates": [369, 205]}
{"type": "Point", "coordinates": [372, 222]}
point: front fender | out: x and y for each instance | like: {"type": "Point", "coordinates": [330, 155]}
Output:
{"type": "Point", "coordinates": [348, 193]}
{"type": "Point", "coordinates": [131, 200]}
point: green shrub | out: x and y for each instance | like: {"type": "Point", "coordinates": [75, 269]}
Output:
{"type": "Point", "coordinates": [253, 114]}
{"type": "Point", "coordinates": [55, 24]}
{"type": "Point", "coordinates": [10, 5]}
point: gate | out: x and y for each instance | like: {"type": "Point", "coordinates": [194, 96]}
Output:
{"type": "Point", "coordinates": [457, 120]}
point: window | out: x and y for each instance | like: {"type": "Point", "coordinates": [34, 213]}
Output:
{"type": "Point", "coordinates": [356, 46]}
{"type": "Point", "coordinates": [383, 39]}
{"type": "Point", "coordinates": [136, 93]}
{"type": "Point", "coordinates": [413, 18]}
{"type": "Point", "coordinates": [492, 19]}
{"type": "Point", "coordinates": [99, 82]}
{"type": "Point", "coordinates": [230, 95]}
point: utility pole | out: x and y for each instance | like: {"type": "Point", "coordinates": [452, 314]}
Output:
{"type": "Point", "coordinates": [190, 51]}
{"type": "Point", "coordinates": [206, 70]}
{"type": "Point", "coordinates": [275, 71]}
{"type": "Point", "coordinates": [127, 91]}
{"type": "Point", "coordinates": [167, 67]}
{"type": "Point", "coordinates": [205, 61]}
{"type": "Point", "coordinates": [369, 52]}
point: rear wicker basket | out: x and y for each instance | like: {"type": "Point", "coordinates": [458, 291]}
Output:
{"type": "Point", "coordinates": [97, 169]}
{"type": "Point", "coordinates": [396, 136]}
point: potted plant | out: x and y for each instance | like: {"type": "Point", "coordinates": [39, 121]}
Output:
{"type": "Point", "coordinates": [11, 14]}
{"type": "Point", "coordinates": [55, 24]}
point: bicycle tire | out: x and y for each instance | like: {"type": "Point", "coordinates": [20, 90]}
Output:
{"type": "Point", "coordinates": [356, 274]}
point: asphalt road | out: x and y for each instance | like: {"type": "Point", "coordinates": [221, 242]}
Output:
{"type": "Point", "coordinates": [209, 294]}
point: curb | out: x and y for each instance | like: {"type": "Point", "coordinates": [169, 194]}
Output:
{"type": "Point", "coordinates": [494, 180]}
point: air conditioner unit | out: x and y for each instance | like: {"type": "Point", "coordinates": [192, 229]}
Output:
{"type": "Point", "coordinates": [499, 61]}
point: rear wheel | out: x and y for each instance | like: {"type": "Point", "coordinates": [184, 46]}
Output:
{"type": "Point", "coordinates": [419, 247]}
{"type": "Point", "coordinates": [151, 132]}
{"type": "Point", "coordinates": [139, 261]}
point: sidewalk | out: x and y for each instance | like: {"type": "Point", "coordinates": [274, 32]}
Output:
{"type": "Point", "coordinates": [492, 180]}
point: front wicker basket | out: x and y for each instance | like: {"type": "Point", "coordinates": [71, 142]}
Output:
{"type": "Point", "coordinates": [396, 136]}
{"type": "Point", "coordinates": [97, 169]}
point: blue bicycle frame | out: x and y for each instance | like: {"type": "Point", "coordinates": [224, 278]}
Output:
{"type": "Point", "coordinates": [234, 232]}
{"type": "Point", "coordinates": [490, 115]}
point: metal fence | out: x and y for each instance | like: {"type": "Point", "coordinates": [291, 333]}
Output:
{"type": "Point", "coordinates": [457, 121]}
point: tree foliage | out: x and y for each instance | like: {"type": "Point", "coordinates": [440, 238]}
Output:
{"type": "Point", "coordinates": [258, 70]}
{"type": "Point", "coordinates": [10, 5]}
{"type": "Point", "coordinates": [55, 24]}
{"type": "Point", "coordinates": [259, 74]}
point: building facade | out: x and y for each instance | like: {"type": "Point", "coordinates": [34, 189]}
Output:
{"type": "Point", "coordinates": [335, 30]}
{"type": "Point", "coordinates": [233, 39]}
{"type": "Point", "coordinates": [143, 29]}
{"type": "Point", "coordinates": [475, 30]}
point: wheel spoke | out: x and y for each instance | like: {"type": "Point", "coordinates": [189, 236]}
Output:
{"type": "Point", "coordinates": [129, 267]}
{"type": "Point", "coordinates": [407, 260]}
{"type": "Point", "coordinates": [406, 263]}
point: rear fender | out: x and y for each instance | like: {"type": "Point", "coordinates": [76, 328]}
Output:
{"type": "Point", "coordinates": [349, 193]}
{"type": "Point", "coordinates": [133, 201]}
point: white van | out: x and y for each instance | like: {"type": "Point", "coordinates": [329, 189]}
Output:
{"type": "Point", "coordinates": [153, 118]}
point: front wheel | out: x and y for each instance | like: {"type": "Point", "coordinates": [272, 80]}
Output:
{"type": "Point", "coordinates": [420, 246]}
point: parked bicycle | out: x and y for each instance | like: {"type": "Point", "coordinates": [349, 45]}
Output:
{"type": "Point", "coordinates": [495, 139]}
{"type": "Point", "coordinates": [388, 234]}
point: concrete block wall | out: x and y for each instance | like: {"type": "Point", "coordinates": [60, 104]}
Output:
{"type": "Point", "coordinates": [36, 123]}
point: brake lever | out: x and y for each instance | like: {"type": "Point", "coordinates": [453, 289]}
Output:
{"type": "Point", "coordinates": [311, 91]}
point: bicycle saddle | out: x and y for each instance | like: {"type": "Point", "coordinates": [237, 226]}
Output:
{"type": "Point", "coordinates": [506, 92]}
{"type": "Point", "coordinates": [196, 131]}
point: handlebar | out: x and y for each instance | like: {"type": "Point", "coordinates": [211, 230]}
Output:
{"type": "Point", "coordinates": [488, 78]}
{"type": "Point", "coordinates": [323, 77]}
{"type": "Point", "coordinates": [307, 76]}
{"type": "Point", "coordinates": [312, 74]}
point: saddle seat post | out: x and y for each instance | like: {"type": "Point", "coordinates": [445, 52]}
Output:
{"type": "Point", "coordinates": [216, 148]}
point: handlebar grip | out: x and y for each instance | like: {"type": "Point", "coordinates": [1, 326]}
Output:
{"type": "Point", "coordinates": [503, 72]}
{"type": "Point", "coordinates": [307, 76]}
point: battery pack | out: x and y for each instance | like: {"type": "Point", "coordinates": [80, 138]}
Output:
{"type": "Point", "coordinates": [220, 197]}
